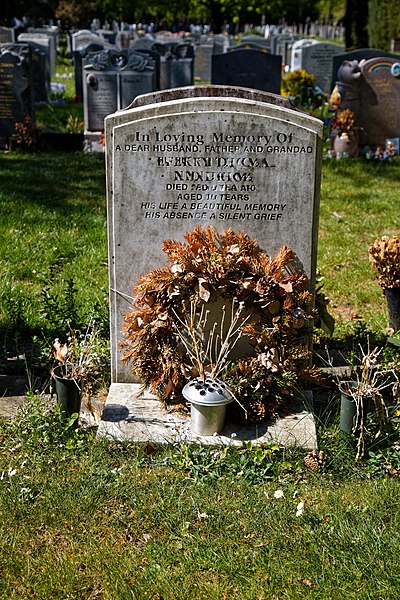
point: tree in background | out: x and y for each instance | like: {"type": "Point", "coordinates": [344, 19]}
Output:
{"type": "Point", "coordinates": [78, 13]}
{"type": "Point", "coordinates": [74, 13]}
{"type": "Point", "coordinates": [331, 10]}
{"type": "Point", "coordinates": [384, 23]}
{"type": "Point", "coordinates": [356, 24]}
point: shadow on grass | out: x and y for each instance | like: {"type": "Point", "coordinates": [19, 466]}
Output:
{"type": "Point", "coordinates": [54, 181]}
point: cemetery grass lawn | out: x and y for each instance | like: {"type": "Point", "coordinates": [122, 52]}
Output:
{"type": "Point", "coordinates": [87, 519]}
{"type": "Point", "coordinates": [359, 202]}
{"type": "Point", "coordinates": [53, 241]}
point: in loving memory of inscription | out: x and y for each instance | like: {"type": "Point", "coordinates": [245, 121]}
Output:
{"type": "Point", "coordinates": [212, 176]}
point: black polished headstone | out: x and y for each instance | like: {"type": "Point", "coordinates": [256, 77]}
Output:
{"type": "Point", "coordinates": [16, 90]}
{"type": "Point", "coordinates": [250, 68]}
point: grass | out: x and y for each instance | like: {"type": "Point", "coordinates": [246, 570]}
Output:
{"type": "Point", "coordinates": [359, 202]}
{"type": "Point", "coordinates": [92, 519]}
{"type": "Point", "coordinates": [53, 232]}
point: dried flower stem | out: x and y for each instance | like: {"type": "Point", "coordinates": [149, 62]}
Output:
{"type": "Point", "coordinates": [213, 353]}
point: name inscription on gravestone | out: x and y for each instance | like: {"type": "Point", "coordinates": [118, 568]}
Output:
{"type": "Point", "coordinates": [178, 161]}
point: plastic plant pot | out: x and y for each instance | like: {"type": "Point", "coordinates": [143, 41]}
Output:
{"type": "Point", "coordinates": [68, 390]}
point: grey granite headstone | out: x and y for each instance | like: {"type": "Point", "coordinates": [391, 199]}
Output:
{"type": "Point", "coordinates": [16, 91]}
{"type": "Point", "coordinates": [202, 62]}
{"type": "Point", "coordinates": [256, 40]}
{"type": "Point", "coordinates": [283, 46]}
{"type": "Point", "coordinates": [176, 66]}
{"type": "Point", "coordinates": [248, 68]}
{"type": "Point", "coordinates": [52, 34]}
{"type": "Point", "coordinates": [317, 59]}
{"type": "Point", "coordinates": [84, 37]}
{"type": "Point", "coordinates": [112, 79]}
{"type": "Point", "coordinates": [44, 43]}
{"type": "Point", "coordinates": [227, 157]}
{"type": "Point", "coordinates": [78, 56]}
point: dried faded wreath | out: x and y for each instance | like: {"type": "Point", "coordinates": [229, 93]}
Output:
{"type": "Point", "coordinates": [221, 268]}
{"type": "Point", "coordinates": [384, 255]}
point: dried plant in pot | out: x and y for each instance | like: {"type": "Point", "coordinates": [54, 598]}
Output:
{"type": "Point", "coordinates": [270, 360]}
{"type": "Point", "coordinates": [78, 361]}
{"type": "Point", "coordinates": [208, 351]}
{"type": "Point", "coordinates": [363, 410]}
{"type": "Point", "coordinates": [384, 254]}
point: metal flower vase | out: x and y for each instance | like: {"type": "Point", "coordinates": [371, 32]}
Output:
{"type": "Point", "coordinates": [208, 399]}
{"type": "Point", "coordinates": [68, 391]}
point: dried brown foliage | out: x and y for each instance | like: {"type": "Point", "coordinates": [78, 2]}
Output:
{"type": "Point", "coordinates": [230, 265]}
{"type": "Point", "coordinates": [384, 255]}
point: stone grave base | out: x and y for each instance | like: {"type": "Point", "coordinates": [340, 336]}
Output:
{"type": "Point", "coordinates": [130, 415]}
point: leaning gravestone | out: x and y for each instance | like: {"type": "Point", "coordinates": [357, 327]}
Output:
{"type": "Point", "coordinates": [248, 68]}
{"type": "Point", "coordinates": [16, 90]}
{"type": "Point", "coordinates": [227, 157]}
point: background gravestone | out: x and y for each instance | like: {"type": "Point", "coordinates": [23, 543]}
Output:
{"type": "Point", "coordinates": [248, 68]}
{"type": "Point", "coordinates": [227, 157]}
{"type": "Point", "coordinates": [78, 56]}
{"type": "Point", "coordinates": [297, 47]}
{"type": "Point", "coordinates": [378, 116]}
{"type": "Point", "coordinates": [52, 34]}
{"type": "Point", "coordinates": [112, 79]}
{"type": "Point", "coordinates": [6, 35]}
{"type": "Point", "coordinates": [44, 43]}
{"type": "Point", "coordinates": [202, 62]}
{"type": "Point", "coordinates": [40, 76]}
{"type": "Point", "coordinates": [318, 60]}
{"type": "Point", "coordinates": [84, 37]}
{"type": "Point", "coordinates": [256, 40]}
{"type": "Point", "coordinates": [362, 53]}
{"type": "Point", "coordinates": [176, 64]}
{"type": "Point", "coordinates": [16, 91]}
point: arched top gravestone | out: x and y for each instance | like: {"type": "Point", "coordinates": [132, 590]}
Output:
{"type": "Point", "coordinates": [228, 157]}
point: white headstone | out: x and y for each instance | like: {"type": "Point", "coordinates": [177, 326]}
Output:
{"type": "Point", "coordinates": [228, 157]}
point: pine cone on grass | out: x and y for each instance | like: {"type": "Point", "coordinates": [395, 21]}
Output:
{"type": "Point", "coordinates": [314, 460]}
